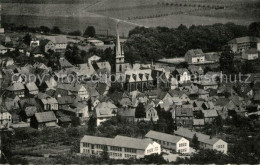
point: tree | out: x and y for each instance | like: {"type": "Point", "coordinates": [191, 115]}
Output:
{"type": "Point", "coordinates": [153, 159]}
{"type": "Point", "coordinates": [140, 111]}
{"type": "Point", "coordinates": [254, 29]}
{"type": "Point", "coordinates": [75, 33]}
{"type": "Point", "coordinates": [226, 62]}
{"type": "Point", "coordinates": [92, 124]}
{"type": "Point", "coordinates": [104, 154]}
{"type": "Point", "coordinates": [27, 39]}
{"type": "Point", "coordinates": [90, 32]}
{"type": "Point", "coordinates": [56, 30]}
{"type": "Point", "coordinates": [195, 142]}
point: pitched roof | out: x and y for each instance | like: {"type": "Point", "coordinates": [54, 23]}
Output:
{"type": "Point", "coordinates": [195, 52]}
{"type": "Point", "coordinates": [129, 112]}
{"type": "Point", "coordinates": [31, 86]}
{"type": "Point", "coordinates": [184, 132]}
{"type": "Point", "coordinates": [184, 112]}
{"type": "Point", "coordinates": [210, 113]}
{"type": "Point", "coordinates": [244, 39]}
{"type": "Point", "coordinates": [163, 136]}
{"type": "Point", "coordinates": [15, 87]}
{"type": "Point", "coordinates": [42, 117]}
{"type": "Point", "coordinates": [118, 141]}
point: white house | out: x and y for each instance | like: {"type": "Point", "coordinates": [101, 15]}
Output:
{"type": "Point", "coordinates": [104, 111]}
{"type": "Point", "coordinates": [195, 56]}
{"type": "Point", "coordinates": [170, 142]}
{"type": "Point", "coordinates": [182, 75]}
{"type": "Point", "coordinates": [206, 142]}
{"type": "Point", "coordinates": [120, 147]}
{"type": "Point", "coordinates": [3, 49]}
{"type": "Point", "coordinates": [250, 54]}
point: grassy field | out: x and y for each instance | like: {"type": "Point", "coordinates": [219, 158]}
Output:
{"type": "Point", "coordinates": [103, 14]}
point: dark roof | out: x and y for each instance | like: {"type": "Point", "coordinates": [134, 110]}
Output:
{"type": "Point", "coordinates": [195, 52]}
{"type": "Point", "coordinates": [201, 137]}
{"type": "Point", "coordinates": [184, 112]}
{"type": "Point", "coordinates": [244, 39]}
{"type": "Point", "coordinates": [42, 117]}
{"type": "Point", "coordinates": [101, 88]}
{"type": "Point", "coordinates": [163, 136]}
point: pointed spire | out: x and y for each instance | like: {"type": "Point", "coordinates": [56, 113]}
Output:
{"type": "Point", "coordinates": [118, 45]}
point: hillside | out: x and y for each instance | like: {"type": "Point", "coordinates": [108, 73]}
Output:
{"type": "Point", "coordinates": [149, 13]}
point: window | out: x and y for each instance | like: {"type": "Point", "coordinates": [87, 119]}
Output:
{"type": "Point", "coordinates": [115, 148]}
{"type": "Point", "coordinates": [182, 144]}
{"type": "Point", "coordinates": [150, 150]}
{"type": "Point", "coordinates": [130, 150]}
{"type": "Point", "coordinates": [86, 144]}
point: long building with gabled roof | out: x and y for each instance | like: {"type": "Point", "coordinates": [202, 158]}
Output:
{"type": "Point", "coordinates": [120, 147]}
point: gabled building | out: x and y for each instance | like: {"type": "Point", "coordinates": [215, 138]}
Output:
{"type": "Point", "coordinates": [16, 89]}
{"type": "Point", "coordinates": [183, 116]}
{"type": "Point", "coordinates": [32, 88]}
{"type": "Point", "coordinates": [194, 56]}
{"type": "Point", "coordinates": [44, 119]}
{"type": "Point", "coordinates": [120, 147]}
{"type": "Point", "coordinates": [206, 142]}
{"type": "Point", "coordinates": [238, 45]}
{"type": "Point", "coordinates": [151, 113]}
{"type": "Point", "coordinates": [170, 142]}
{"type": "Point", "coordinates": [50, 104]}
{"type": "Point", "coordinates": [105, 111]}
{"type": "Point", "coordinates": [182, 75]}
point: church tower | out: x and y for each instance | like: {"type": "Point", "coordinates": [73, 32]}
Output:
{"type": "Point", "coordinates": [120, 57]}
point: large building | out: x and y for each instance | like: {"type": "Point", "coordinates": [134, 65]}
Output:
{"type": "Point", "coordinates": [120, 147]}
{"type": "Point", "coordinates": [238, 45]}
{"type": "Point", "coordinates": [206, 142]}
{"type": "Point", "coordinates": [170, 142]}
{"type": "Point", "coordinates": [132, 77]}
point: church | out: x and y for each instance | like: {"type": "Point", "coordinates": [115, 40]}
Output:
{"type": "Point", "coordinates": [136, 77]}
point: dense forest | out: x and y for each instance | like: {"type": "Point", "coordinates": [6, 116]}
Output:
{"type": "Point", "coordinates": [145, 44]}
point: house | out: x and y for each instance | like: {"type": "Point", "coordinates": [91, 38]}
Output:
{"type": "Point", "coordinates": [36, 52]}
{"type": "Point", "coordinates": [65, 63]}
{"type": "Point", "coordinates": [95, 42]}
{"type": "Point", "coordinates": [65, 101]}
{"type": "Point", "coordinates": [120, 147]}
{"type": "Point", "coordinates": [22, 48]}
{"type": "Point", "coordinates": [47, 45]}
{"type": "Point", "coordinates": [210, 115]}
{"type": "Point", "coordinates": [182, 75]}
{"type": "Point", "coordinates": [16, 89]}
{"type": "Point", "coordinates": [77, 110]}
{"type": "Point", "coordinates": [93, 58]}
{"type": "Point", "coordinates": [206, 142]}
{"type": "Point", "coordinates": [32, 88]}
{"type": "Point", "coordinates": [127, 114]}
{"type": "Point", "coordinates": [178, 97]}
{"type": "Point", "coordinates": [5, 117]}
{"type": "Point", "coordinates": [74, 89]}
{"type": "Point", "coordinates": [194, 56]}
{"type": "Point", "coordinates": [50, 104]}
{"type": "Point", "coordinates": [207, 82]}
{"type": "Point", "coordinates": [183, 116]}
{"type": "Point", "coordinates": [250, 54]}
{"type": "Point", "coordinates": [42, 120]}
{"type": "Point", "coordinates": [60, 42]}
{"type": "Point", "coordinates": [238, 45]}
{"type": "Point", "coordinates": [151, 113]}
{"type": "Point", "coordinates": [3, 49]}
{"type": "Point", "coordinates": [104, 111]}
{"type": "Point", "coordinates": [197, 123]}
{"type": "Point", "coordinates": [104, 65]}
{"type": "Point", "coordinates": [170, 142]}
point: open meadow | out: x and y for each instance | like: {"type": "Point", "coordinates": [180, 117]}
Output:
{"type": "Point", "coordinates": [103, 14]}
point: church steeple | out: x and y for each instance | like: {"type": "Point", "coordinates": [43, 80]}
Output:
{"type": "Point", "coordinates": [119, 49]}
{"type": "Point", "coordinates": [120, 58]}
